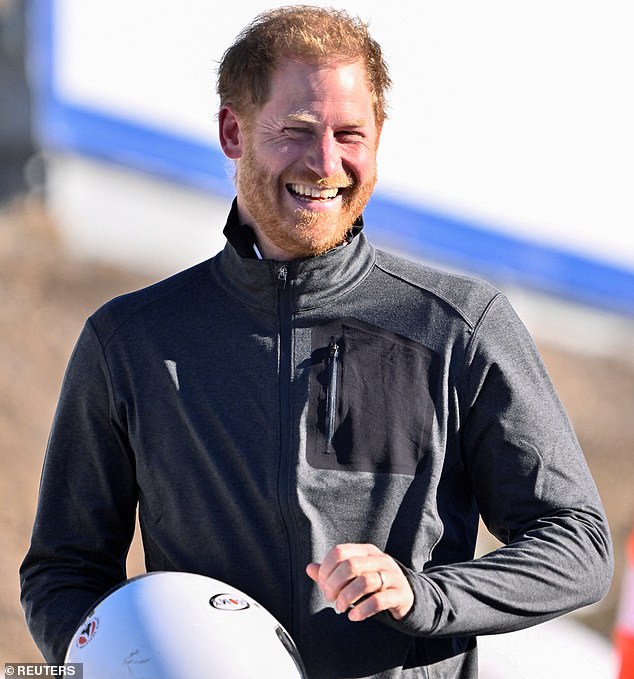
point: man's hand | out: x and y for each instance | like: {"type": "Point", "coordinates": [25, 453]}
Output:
{"type": "Point", "coordinates": [363, 580]}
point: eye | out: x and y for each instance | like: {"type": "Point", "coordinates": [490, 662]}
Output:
{"type": "Point", "coordinates": [297, 132]}
{"type": "Point", "coordinates": [350, 135]}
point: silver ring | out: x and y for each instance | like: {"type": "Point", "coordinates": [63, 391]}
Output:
{"type": "Point", "coordinates": [382, 581]}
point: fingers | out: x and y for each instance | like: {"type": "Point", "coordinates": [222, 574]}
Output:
{"type": "Point", "coordinates": [341, 560]}
{"type": "Point", "coordinates": [345, 565]}
{"type": "Point", "coordinates": [362, 580]}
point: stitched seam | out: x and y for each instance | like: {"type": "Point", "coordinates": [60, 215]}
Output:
{"type": "Point", "coordinates": [148, 304]}
{"type": "Point", "coordinates": [435, 293]}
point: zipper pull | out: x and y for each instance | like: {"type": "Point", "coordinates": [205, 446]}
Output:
{"type": "Point", "coordinates": [331, 394]}
{"type": "Point", "coordinates": [333, 349]}
{"type": "Point", "coordinates": [282, 275]}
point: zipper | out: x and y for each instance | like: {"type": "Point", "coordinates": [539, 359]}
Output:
{"type": "Point", "coordinates": [331, 393]}
{"type": "Point", "coordinates": [285, 372]}
{"type": "Point", "coordinates": [282, 277]}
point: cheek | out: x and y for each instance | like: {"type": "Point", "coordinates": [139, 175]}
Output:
{"type": "Point", "coordinates": [281, 160]}
{"type": "Point", "coordinates": [363, 168]}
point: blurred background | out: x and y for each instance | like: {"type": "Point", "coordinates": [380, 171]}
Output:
{"type": "Point", "coordinates": [508, 154]}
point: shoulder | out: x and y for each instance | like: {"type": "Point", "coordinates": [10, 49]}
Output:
{"type": "Point", "coordinates": [468, 296]}
{"type": "Point", "coordinates": [158, 298]}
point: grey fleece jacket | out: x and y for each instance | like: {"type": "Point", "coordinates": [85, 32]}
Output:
{"type": "Point", "coordinates": [261, 412]}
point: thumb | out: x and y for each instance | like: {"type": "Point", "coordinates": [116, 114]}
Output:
{"type": "Point", "coordinates": [312, 570]}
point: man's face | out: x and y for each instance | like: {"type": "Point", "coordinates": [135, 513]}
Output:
{"type": "Point", "coordinates": [307, 163]}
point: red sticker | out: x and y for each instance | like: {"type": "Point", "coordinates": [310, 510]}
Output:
{"type": "Point", "coordinates": [87, 632]}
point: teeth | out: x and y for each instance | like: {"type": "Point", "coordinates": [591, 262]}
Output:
{"type": "Point", "coordinates": [313, 192]}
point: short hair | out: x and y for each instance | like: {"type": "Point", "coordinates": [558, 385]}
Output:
{"type": "Point", "coordinates": [306, 33]}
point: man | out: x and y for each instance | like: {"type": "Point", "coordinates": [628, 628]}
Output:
{"type": "Point", "coordinates": [312, 420]}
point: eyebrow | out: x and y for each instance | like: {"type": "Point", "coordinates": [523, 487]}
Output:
{"type": "Point", "coordinates": [306, 117]}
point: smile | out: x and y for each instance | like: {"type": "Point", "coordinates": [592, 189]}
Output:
{"type": "Point", "coordinates": [306, 192]}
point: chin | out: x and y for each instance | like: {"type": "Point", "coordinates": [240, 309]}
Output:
{"type": "Point", "coordinates": [317, 238]}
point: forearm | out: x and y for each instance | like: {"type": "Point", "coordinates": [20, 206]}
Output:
{"type": "Point", "coordinates": [559, 564]}
{"type": "Point", "coordinates": [76, 555]}
{"type": "Point", "coordinates": [56, 595]}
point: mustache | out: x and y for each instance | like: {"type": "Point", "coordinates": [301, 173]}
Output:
{"type": "Point", "coordinates": [342, 180]}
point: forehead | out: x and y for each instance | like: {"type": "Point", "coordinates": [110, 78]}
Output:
{"type": "Point", "coordinates": [305, 92]}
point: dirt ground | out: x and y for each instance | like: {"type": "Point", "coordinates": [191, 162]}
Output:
{"type": "Point", "coordinates": [45, 295]}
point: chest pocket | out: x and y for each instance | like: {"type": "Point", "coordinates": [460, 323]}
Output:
{"type": "Point", "coordinates": [371, 405]}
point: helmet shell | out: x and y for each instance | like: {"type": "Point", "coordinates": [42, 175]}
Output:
{"type": "Point", "coordinates": [170, 625]}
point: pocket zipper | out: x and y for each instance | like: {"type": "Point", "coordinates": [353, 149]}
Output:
{"type": "Point", "coordinates": [331, 394]}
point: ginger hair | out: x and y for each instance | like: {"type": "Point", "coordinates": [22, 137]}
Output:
{"type": "Point", "coordinates": [308, 34]}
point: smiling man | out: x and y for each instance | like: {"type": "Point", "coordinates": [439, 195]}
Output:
{"type": "Point", "coordinates": [306, 160]}
{"type": "Point", "coordinates": [316, 422]}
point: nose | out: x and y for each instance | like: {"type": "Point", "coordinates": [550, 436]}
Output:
{"type": "Point", "coordinates": [323, 156]}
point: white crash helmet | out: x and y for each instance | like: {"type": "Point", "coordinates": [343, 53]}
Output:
{"type": "Point", "coordinates": [170, 625]}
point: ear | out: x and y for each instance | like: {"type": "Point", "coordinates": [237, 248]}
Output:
{"type": "Point", "coordinates": [230, 132]}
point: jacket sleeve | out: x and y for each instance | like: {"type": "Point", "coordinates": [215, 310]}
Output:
{"type": "Point", "coordinates": [86, 509]}
{"type": "Point", "coordinates": [534, 493]}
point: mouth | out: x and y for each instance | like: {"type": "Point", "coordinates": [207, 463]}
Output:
{"type": "Point", "coordinates": [308, 193]}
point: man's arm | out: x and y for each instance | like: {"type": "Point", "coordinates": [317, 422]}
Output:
{"type": "Point", "coordinates": [86, 509]}
{"type": "Point", "coordinates": [534, 492]}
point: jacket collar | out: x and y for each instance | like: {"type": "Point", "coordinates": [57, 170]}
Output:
{"type": "Point", "coordinates": [309, 283]}
{"type": "Point", "coordinates": [242, 237]}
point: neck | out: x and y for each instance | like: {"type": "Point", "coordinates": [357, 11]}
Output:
{"type": "Point", "coordinates": [270, 250]}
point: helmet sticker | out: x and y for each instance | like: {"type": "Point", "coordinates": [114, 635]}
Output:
{"type": "Point", "coordinates": [229, 602]}
{"type": "Point", "coordinates": [87, 632]}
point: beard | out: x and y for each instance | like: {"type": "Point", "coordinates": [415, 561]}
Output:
{"type": "Point", "coordinates": [300, 232]}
